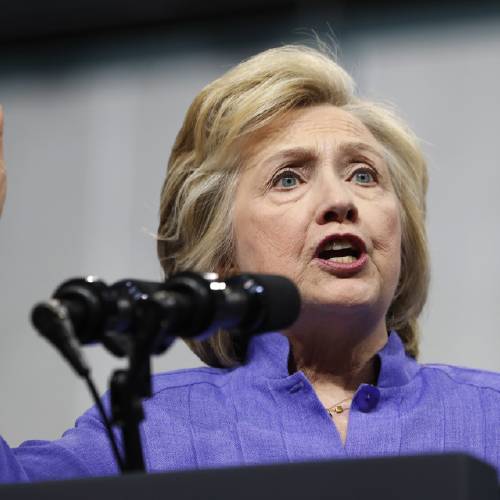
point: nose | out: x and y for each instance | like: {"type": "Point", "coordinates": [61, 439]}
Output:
{"type": "Point", "coordinates": [337, 205]}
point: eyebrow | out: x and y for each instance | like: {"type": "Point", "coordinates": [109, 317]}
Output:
{"type": "Point", "coordinates": [291, 153]}
{"type": "Point", "coordinates": [308, 154]}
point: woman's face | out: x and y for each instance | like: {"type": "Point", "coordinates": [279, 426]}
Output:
{"type": "Point", "coordinates": [315, 203]}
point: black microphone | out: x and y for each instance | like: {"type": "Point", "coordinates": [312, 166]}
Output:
{"type": "Point", "coordinates": [246, 304]}
{"type": "Point", "coordinates": [187, 305]}
{"type": "Point", "coordinates": [52, 320]}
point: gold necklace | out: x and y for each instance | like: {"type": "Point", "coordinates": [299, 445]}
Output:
{"type": "Point", "coordinates": [338, 408]}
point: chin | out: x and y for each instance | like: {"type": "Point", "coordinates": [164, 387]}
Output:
{"type": "Point", "coordinates": [338, 306]}
{"type": "Point", "coordinates": [345, 294]}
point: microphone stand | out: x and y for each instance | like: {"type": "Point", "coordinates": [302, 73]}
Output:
{"type": "Point", "coordinates": [128, 387]}
{"type": "Point", "coordinates": [187, 305]}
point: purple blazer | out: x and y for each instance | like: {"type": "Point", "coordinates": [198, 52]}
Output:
{"type": "Point", "coordinates": [258, 413]}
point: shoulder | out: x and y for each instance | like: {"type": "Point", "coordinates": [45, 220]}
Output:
{"type": "Point", "coordinates": [186, 378]}
{"type": "Point", "coordinates": [465, 377]}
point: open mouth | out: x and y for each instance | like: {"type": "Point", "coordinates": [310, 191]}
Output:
{"type": "Point", "coordinates": [341, 249]}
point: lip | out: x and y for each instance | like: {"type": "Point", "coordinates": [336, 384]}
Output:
{"type": "Point", "coordinates": [343, 270]}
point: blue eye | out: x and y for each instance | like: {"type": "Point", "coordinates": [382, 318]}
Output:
{"type": "Point", "coordinates": [287, 180]}
{"type": "Point", "coordinates": [364, 177]}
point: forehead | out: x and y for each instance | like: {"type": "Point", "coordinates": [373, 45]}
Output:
{"type": "Point", "coordinates": [310, 127]}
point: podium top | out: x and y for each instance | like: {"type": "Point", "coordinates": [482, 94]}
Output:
{"type": "Point", "coordinates": [431, 477]}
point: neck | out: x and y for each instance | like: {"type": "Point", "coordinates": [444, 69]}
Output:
{"type": "Point", "coordinates": [336, 356]}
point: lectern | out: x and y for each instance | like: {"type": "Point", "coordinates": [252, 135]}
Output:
{"type": "Point", "coordinates": [431, 477]}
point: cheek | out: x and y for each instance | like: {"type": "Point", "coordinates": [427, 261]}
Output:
{"type": "Point", "coordinates": [388, 241]}
{"type": "Point", "coordinates": [267, 240]}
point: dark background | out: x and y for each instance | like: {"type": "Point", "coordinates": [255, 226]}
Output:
{"type": "Point", "coordinates": [41, 19]}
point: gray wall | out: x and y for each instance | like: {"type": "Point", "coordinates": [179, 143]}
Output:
{"type": "Point", "coordinates": [87, 136]}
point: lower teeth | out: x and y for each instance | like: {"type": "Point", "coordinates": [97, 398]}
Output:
{"type": "Point", "coordinates": [347, 259]}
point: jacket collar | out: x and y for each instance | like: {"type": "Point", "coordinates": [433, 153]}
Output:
{"type": "Point", "coordinates": [267, 356]}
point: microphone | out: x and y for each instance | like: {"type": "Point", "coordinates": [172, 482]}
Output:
{"type": "Point", "coordinates": [52, 320]}
{"type": "Point", "coordinates": [138, 318]}
{"type": "Point", "coordinates": [187, 305]}
{"type": "Point", "coordinates": [246, 304]}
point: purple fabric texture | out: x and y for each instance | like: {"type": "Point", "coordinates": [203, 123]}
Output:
{"type": "Point", "coordinates": [258, 413]}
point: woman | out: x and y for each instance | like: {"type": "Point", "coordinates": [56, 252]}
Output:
{"type": "Point", "coordinates": [280, 168]}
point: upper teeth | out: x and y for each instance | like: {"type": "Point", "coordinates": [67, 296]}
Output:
{"type": "Point", "coordinates": [337, 245]}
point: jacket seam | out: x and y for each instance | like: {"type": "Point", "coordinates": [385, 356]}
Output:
{"type": "Point", "coordinates": [469, 384]}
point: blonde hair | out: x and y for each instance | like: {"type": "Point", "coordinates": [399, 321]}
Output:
{"type": "Point", "coordinates": [195, 230]}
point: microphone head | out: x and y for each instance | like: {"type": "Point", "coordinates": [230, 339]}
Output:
{"type": "Point", "coordinates": [51, 319]}
{"type": "Point", "coordinates": [274, 302]}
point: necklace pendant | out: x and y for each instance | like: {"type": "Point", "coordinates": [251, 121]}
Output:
{"type": "Point", "coordinates": [338, 408]}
